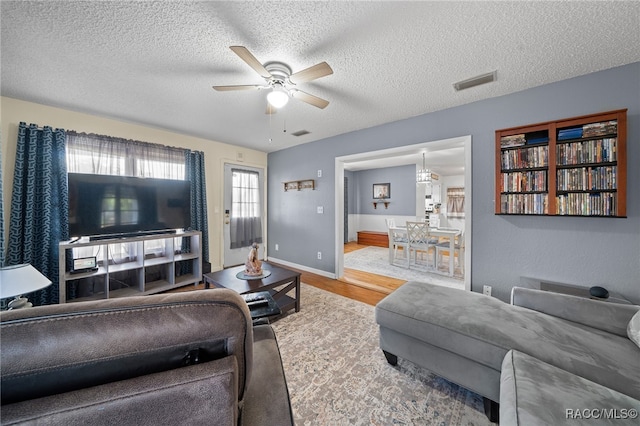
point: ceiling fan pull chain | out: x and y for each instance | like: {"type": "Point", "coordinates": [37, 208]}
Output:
{"type": "Point", "coordinates": [270, 130]}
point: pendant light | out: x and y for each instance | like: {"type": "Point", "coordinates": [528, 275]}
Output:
{"type": "Point", "coordinates": [424, 174]}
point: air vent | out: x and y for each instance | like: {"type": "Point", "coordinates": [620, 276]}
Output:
{"type": "Point", "coordinates": [475, 81]}
{"type": "Point", "coordinates": [301, 133]}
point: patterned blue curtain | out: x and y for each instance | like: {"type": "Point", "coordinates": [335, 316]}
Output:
{"type": "Point", "coordinates": [194, 161]}
{"type": "Point", "coordinates": [39, 205]}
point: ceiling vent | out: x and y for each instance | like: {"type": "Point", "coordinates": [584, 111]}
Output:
{"type": "Point", "coordinates": [301, 133]}
{"type": "Point", "coordinates": [475, 81]}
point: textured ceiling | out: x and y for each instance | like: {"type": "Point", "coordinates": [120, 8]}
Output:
{"type": "Point", "coordinates": [154, 63]}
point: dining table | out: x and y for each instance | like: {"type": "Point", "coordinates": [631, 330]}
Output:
{"type": "Point", "coordinates": [450, 233]}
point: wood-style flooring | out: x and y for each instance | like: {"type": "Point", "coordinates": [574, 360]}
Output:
{"type": "Point", "coordinates": [357, 285]}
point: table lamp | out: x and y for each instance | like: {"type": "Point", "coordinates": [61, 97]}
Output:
{"type": "Point", "coordinates": [18, 280]}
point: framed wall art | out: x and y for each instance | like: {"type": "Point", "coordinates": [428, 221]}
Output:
{"type": "Point", "coordinates": [381, 191]}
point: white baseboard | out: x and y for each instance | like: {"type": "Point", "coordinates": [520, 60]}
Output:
{"type": "Point", "coordinates": [302, 267]}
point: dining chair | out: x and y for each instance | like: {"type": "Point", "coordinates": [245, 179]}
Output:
{"type": "Point", "coordinates": [458, 250]}
{"type": "Point", "coordinates": [396, 240]}
{"type": "Point", "coordinates": [421, 241]}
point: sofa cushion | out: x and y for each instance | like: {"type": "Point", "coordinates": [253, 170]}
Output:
{"type": "Point", "coordinates": [633, 329]}
{"type": "Point", "coordinates": [484, 329]}
{"type": "Point", "coordinates": [533, 392]}
{"type": "Point", "coordinates": [71, 346]}
{"type": "Point", "coordinates": [611, 317]}
{"type": "Point", "coordinates": [202, 394]}
{"type": "Point", "coordinates": [268, 375]}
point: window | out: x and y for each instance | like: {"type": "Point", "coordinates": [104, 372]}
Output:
{"type": "Point", "coordinates": [105, 155]}
{"type": "Point", "coordinates": [245, 220]}
{"type": "Point", "coordinates": [455, 202]}
{"type": "Point", "coordinates": [245, 198]}
{"type": "Point", "coordinates": [98, 154]}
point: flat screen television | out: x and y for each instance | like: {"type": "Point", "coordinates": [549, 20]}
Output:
{"type": "Point", "coordinates": [104, 205]}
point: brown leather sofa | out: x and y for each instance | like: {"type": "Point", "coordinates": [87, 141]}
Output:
{"type": "Point", "coordinates": [183, 358]}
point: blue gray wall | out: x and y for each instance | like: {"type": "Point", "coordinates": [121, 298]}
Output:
{"type": "Point", "coordinates": [578, 250]}
{"type": "Point", "coordinates": [403, 190]}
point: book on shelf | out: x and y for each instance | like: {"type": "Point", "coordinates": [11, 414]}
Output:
{"type": "Point", "coordinates": [586, 204]}
{"type": "Point", "coordinates": [530, 157]}
{"type": "Point", "coordinates": [587, 179]}
{"type": "Point", "coordinates": [524, 203]}
{"type": "Point", "coordinates": [600, 129]}
{"type": "Point", "coordinates": [538, 140]}
{"type": "Point", "coordinates": [584, 152]}
{"type": "Point", "coordinates": [572, 133]}
{"type": "Point", "coordinates": [512, 140]}
{"type": "Point", "coordinates": [528, 181]}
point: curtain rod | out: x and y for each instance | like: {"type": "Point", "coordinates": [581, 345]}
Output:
{"type": "Point", "coordinates": [39, 127]}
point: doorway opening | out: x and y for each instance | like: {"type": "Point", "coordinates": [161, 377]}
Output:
{"type": "Point", "coordinates": [411, 154]}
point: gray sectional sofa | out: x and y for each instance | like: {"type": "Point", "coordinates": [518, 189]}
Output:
{"type": "Point", "coordinates": [465, 337]}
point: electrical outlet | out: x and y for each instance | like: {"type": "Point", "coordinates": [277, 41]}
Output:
{"type": "Point", "coordinates": [319, 173]}
{"type": "Point", "coordinates": [277, 247]}
{"type": "Point", "coordinates": [319, 255]}
{"type": "Point", "coordinates": [486, 290]}
{"type": "Point", "coordinates": [320, 210]}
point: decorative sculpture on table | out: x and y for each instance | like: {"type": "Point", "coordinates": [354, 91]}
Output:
{"type": "Point", "coordinates": [253, 265]}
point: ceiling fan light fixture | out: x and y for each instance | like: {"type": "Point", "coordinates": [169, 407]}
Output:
{"type": "Point", "coordinates": [278, 97]}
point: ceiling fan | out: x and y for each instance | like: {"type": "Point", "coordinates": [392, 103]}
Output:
{"type": "Point", "coordinates": [280, 81]}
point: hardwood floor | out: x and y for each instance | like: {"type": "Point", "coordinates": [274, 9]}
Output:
{"type": "Point", "coordinates": [373, 282]}
{"type": "Point", "coordinates": [357, 285]}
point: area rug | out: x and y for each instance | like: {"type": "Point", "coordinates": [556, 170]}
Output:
{"type": "Point", "coordinates": [376, 261]}
{"type": "Point", "coordinates": [337, 374]}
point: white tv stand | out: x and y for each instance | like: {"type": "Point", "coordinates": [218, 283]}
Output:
{"type": "Point", "coordinates": [104, 283]}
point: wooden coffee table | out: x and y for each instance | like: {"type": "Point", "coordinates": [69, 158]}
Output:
{"type": "Point", "coordinates": [281, 282]}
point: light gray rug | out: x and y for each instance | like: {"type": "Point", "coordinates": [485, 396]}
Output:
{"type": "Point", "coordinates": [337, 374]}
{"type": "Point", "coordinates": [376, 260]}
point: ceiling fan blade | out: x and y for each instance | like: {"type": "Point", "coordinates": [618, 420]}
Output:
{"type": "Point", "coordinates": [310, 99]}
{"type": "Point", "coordinates": [251, 60]}
{"type": "Point", "coordinates": [312, 73]}
{"type": "Point", "coordinates": [271, 109]}
{"type": "Point", "coordinates": [238, 87]}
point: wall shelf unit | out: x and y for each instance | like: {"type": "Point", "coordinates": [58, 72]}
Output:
{"type": "Point", "coordinates": [385, 202]}
{"type": "Point", "coordinates": [570, 167]}
{"type": "Point", "coordinates": [297, 185]}
{"type": "Point", "coordinates": [153, 263]}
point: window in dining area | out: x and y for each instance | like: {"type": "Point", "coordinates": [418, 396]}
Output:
{"type": "Point", "coordinates": [455, 202]}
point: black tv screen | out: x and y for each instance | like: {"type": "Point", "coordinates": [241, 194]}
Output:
{"type": "Point", "coordinates": [107, 205]}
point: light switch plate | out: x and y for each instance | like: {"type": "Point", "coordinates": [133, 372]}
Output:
{"type": "Point", "coordinates": [320, 210]}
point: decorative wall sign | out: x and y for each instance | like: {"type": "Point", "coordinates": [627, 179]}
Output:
{"type": "Point", "coordinates": [299, 184]}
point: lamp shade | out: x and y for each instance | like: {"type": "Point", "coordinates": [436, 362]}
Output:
{"type": "Point", "coordinates": [21, 279]}
{"type": "Point", "coordinates": [278, 97]}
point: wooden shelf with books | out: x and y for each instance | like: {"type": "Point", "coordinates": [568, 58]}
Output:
{"type": "Point", "coordinates": [570, 167]}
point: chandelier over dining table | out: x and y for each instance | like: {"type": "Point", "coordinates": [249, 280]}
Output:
{"type": "Point", "coordinates": [423, 175]}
